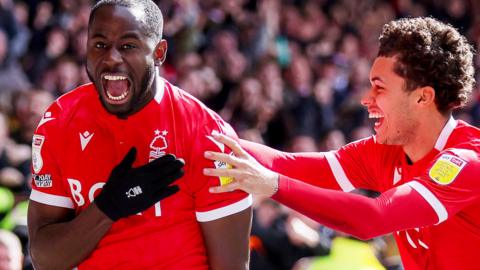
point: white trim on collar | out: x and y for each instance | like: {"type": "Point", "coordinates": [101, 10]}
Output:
{"type": "Point", "coordinates": [160, 86]}
{"type": "Point", "coordinates": [445, 134]}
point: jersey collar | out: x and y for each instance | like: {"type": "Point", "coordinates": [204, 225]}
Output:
{"type": "Point", "coordinates": [160, 87]}
{"type": "Point", "coordinates": [445, 134]}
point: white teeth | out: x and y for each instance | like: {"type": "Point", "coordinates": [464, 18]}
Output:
{"type": "Point", "coordinates": [114, 78]}
{"type": "Point", "coordinates": [122, 96]}
{"type": "Point", "coordinates": [375, 115]}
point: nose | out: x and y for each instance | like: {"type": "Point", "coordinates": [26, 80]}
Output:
{"type": "Point", "coordinates": [113, 57]}
{"type": "Point", "coordinates": [367, 98]}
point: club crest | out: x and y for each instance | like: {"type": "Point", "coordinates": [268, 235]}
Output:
{"type": "Point", "coordinates": [158, 145]}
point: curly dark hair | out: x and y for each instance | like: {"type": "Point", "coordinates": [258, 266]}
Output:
{"type": "Point", "coordinates": [152, 24]}
{"type": "Point", "coordinates": [431, 53]}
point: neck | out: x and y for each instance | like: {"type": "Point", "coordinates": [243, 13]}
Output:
{"type": "Point", "coordinates": [425, 136]}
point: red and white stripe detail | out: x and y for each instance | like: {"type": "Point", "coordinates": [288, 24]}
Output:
{"type": "Point", "coordinates": [437, 206]}
{"type": "Point", "coordinates": [53, 200]}
{"type": "Point", "coordinates": [338, 172]}
{"type": "Point", "coordinates": [224, 211]}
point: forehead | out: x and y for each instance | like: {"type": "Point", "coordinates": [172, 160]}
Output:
{"type": "Point", "coordinates": [112, 19]}
{"type": "Point", "coordinates": [383, 70]}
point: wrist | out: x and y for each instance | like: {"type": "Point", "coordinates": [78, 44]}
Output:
{"type": "Point", "coordinates": [102, 217]}
{"type": "Point", "coordinates": [106, 206]}
{"type": "Point", "coordinates": [275, 184]}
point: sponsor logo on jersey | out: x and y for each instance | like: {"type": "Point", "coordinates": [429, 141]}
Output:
{"type": "Point", "coordinates": [85, 138]}
{"type": "Point", "coordinates": [446, 169]}
{"type": "Point", "coordinates": [37, 161]}
{"type": "Point", "coordinates": [158, 145]}
{"type": "Point", "coordinates": [46, 118]}
{"type": "Point", "coordinates": [42, 180]}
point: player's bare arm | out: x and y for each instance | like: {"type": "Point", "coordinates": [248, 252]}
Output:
{"type": "Point", "coordinates": [296, 165]}
{"type": "Point", "coordinates": [349, 210]}
{"type": "Point", "coordinates": [58, 239]}
{"type": "Point", "coordinates": [226, 240]}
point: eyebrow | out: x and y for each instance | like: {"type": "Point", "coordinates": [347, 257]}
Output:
{"type": "Point", "coordinates": [128, 35]}
{"type": "Point", "coordinates": [98, 35]}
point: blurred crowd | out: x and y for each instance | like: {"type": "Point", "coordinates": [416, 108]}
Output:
{"type": "Point", "coordinates": [287, 73]}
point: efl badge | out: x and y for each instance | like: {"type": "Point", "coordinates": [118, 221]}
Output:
{"type": "Point", "coordinates": [223, 179]}
{"type": "Point", "coordinates": [446, 169]}
{"type": "Point", "coordinates": [158, 145]}
{"type": "Point", "coordinates": [219, 164]}
{"type": "Point", "coordinates": [37, 161]}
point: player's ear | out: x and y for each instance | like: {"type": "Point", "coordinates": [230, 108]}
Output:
{"type": "Point", "coordinates": [160, 52]}
{"type": "Point", "coordinates": [426, 95]}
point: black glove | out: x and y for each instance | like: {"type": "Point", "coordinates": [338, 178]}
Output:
{"type": "Point", "coordinates": [129, 191]}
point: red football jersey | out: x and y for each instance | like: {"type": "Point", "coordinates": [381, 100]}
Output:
{"type": "Point", "coordinates": [76, 145]}
{"type": "Point", "coordinates": [446, 178]}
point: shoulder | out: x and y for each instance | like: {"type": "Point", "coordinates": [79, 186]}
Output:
{"type": "Point", "coordinates": [193, 111]}
{"type": "Point", "coordinates": [80, 96]}
{"type": "Point", "coordinates": [463, 135]}
{"type": "Point", "coordinates": [187, 102]}
{"type": "Point", "coordinates": [62, 109]}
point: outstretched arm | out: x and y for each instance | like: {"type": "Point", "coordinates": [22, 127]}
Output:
{"type": "Point", "coordinates": [397, 209]}
{"type": "Point", "coordinates": [295, 165]}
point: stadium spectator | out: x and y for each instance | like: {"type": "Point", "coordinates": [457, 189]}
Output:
{"type": "Point", "coordinates": [12, 77]}
{"type": "Point", "coordinates": [11, 256]}
{"type": "Point", "coordinates": [14, 160]}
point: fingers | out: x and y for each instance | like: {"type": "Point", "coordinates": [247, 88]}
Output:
{"type": "Point", "coordinates": [235, 174]}
{"type": "Point", "coordinates": [225, 188]}
{"type": "Point", "coordinates": [223, 172]}
{"type": "Point", "coordinates": [167, 191]}
{"type": "Point", "coordinates": [169, 179]}
{"type": "Point", "coordinates": [126, 163]}
{"type": "Point", "coordinates": [129, 158]}
{"type": "Point", "coordinates": [232, 160]}
{"type": "Point", "coordinates": [163, 165]}
{"type": "Point", "coordinates": [165, 159]}
{"type": "Point", "coordinates": [231, 143]}
{"type": "Point", "coordinates": [158, 181]}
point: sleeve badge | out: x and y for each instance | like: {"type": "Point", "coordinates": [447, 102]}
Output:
{"type": "Point", "coordinates": [37, 161]}
{"type": "Point", "coordinates": [446, 169]}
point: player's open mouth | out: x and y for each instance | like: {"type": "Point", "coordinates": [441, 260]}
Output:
{"type": "Point", "coordinates": [380, 117]}
{"type": "Point", "coordinates": [116, 88]}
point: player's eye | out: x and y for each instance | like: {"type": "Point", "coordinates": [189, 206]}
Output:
{"type": "Point", "coordinates": [128, 46]}
{"type": "Point", "coordinates": [100, 45]}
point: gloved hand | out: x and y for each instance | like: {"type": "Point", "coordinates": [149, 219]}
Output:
{"type": "Point", "coordinates": [129, 191]}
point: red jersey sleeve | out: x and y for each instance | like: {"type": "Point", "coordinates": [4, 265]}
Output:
{"type": "Point", "coordinates": [210, 206]}
{"type": "Point", "coordinates": [450, 183]}
{"type": "Point", "coordinates": [396, 209]}
{"type": "Point", "coordinates": [353, 166]}
{"type": "Point", "coordinates": [47, 185]}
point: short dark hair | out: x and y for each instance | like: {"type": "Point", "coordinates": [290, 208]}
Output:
{"type": "Point", "coordinates": [152, 26]}
{"type": "Point", "coordinates": [431, 53]}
